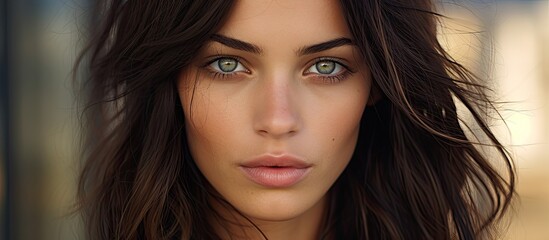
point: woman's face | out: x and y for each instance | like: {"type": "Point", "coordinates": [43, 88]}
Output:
{"type": "Point", "coordinates": [272, 106]}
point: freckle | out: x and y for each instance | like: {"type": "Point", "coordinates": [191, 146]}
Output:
{"type": "Point", "coordinates": [333, 139]}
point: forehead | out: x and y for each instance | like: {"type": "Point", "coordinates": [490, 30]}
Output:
{"type": "Point", "coordinates": [279, 21]}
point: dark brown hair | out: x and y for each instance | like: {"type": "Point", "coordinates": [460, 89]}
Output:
{"type": "Point", "coordinates": [414, 175]}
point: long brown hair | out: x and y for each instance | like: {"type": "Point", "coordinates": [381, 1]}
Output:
{"type": "Point", "coordinates": [414, 175]}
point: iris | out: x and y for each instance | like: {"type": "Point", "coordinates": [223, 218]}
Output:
{"type": "Point", "coordinates": [227, 64]}
{"type": "Point", "coordinates": [325, 67]}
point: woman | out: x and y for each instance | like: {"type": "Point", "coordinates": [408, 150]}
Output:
{"type": "Point", "coordinates": [283, 120]}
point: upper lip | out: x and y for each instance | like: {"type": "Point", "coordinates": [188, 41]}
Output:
{"type": "Point", "coordinates": [271, 160]}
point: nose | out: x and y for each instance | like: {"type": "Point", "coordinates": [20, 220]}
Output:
{"type": "Point", "coordinates": [276, 109]}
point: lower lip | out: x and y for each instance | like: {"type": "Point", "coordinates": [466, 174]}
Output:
{"type": "Point", "coordinates": [278, 177]}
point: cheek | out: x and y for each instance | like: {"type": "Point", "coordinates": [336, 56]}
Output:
{"type": "Point", "coordinates": [198, 117]}
{"type": "Point", "coordinates": [209, 120]}
{"type": "Point", "coordinates": [342, 119]}
{"type": "Point", "coordinates": [334, 127]}
{"type": "Point", "coordinates": [338, 126]}
{"type": "Point", "coordinates": [200, 127]}
{"type": "Point", "coordinates": [340, 132]}
{"type": "Point", "coordinates": [196, 108]}
{"type": "Point", "coordinates": [197, 104]}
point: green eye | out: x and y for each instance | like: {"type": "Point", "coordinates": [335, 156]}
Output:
{"type": "Point", "coordinates": [325, 67]}
{"type": "Point", "coordinates": [227, 64]}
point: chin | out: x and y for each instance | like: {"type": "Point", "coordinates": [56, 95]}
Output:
{"type": "Point", "coordinates": [282, 208]}
{"type": "Point", "coordinates": [272, 215]}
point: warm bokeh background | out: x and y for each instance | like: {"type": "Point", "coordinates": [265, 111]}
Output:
{"type": "Point", "coordinates": [505, 42]}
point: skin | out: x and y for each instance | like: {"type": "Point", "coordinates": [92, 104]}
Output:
{"type": "Point", "coordinates": [275, 102]}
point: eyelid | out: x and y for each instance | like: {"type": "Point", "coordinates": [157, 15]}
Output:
{"type": "Point", "coordinates": [333, 59]}
{"type": "Point", "coordinates": [331, 78]}
{"type": "Point", "coordinates": [218, 73]}
{"type": "Point", "coordinates": [213, 58]}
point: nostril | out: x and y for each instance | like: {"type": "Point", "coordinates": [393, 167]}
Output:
{"type": "Point", "coordinates": [276, 133]}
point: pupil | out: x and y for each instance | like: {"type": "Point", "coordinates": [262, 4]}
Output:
{"type": "Point", "coordinates": [227, 64]}
{"type": "Point", "coordinates": [325, 67]}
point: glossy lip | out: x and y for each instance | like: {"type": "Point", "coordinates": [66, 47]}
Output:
{"type": "Point", "coordinates": [276, 171]}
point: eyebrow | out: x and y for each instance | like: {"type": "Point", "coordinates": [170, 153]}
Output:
{"type": "Point", "coordinates": [236, 44]}
{"type": "Point", "coordinates": [338, 42]}
{"type": "Point", "coordinates": [248, 47]}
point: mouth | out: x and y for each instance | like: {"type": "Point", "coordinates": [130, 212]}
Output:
{"type": "Point", "coordinates": [276, 171]}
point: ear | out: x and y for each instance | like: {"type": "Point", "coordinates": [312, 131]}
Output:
{"type": "Point", "coordinates": [375, 95]}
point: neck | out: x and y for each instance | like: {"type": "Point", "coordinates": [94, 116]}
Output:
{"type": "Point", "coordinates": [229, 224]}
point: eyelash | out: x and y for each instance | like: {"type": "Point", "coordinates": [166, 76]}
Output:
{"type": "Point", "coordinates": [328, 78]}
{"type": "Point", "coordinates": [223, 75]}
{"type": "Point", "coordinates": [320, 78]}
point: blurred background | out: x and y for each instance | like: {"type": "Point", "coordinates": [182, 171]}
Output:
{"type": "Point", "coordinates": [505, 42]}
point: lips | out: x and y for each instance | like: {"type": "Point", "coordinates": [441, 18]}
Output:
{"type": "Point", "coordinates": [276, 171]}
